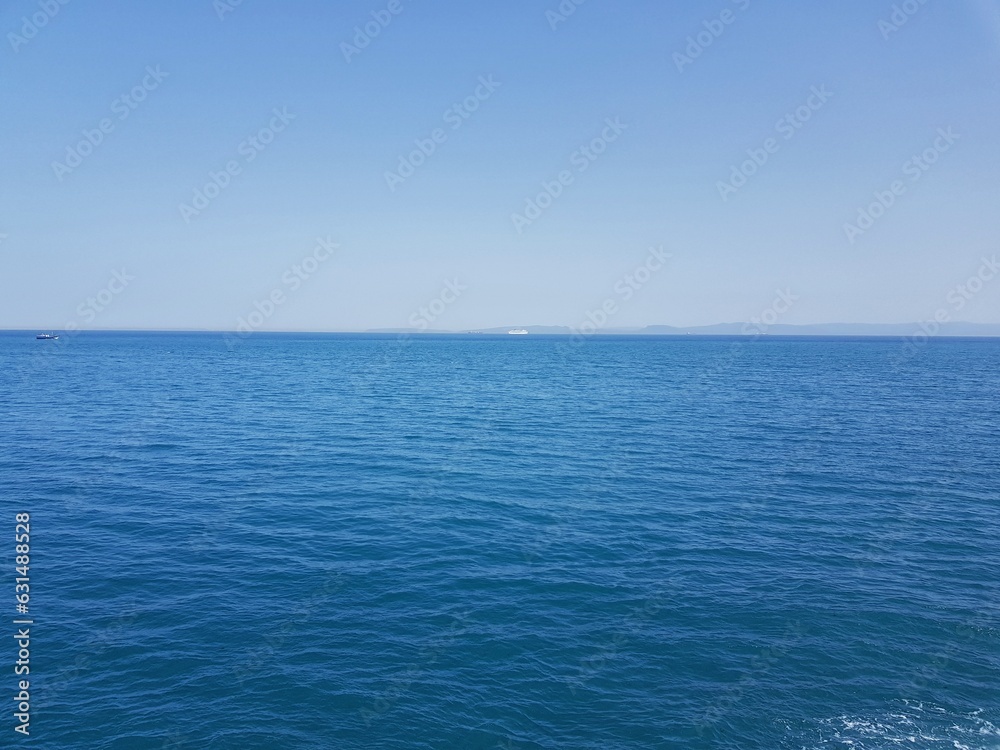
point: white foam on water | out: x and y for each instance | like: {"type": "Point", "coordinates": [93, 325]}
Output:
{"type": "Point", "coordinates": [919, 726]}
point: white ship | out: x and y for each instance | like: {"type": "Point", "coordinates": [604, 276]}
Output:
{"type": "Point", "coordinates": [518, 332]}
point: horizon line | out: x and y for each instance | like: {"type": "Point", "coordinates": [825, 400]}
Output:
{"type": "Point", "coordinates": [781, 329]}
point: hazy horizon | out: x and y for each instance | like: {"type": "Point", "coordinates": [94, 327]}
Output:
{"type": "Point", "coordinates": [910, 329]}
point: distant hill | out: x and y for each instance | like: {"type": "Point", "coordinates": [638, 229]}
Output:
{"type": "Point", "coordinates": [737, 329]}
{"type": "Point", "coordinates": [829, 329]}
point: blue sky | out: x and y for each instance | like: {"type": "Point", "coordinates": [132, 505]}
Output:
{"type": "Point", "coordinates": [683, 126]}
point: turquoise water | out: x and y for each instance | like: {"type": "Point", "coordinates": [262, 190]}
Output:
{"type": "Point", "coordinates": [506, 542]}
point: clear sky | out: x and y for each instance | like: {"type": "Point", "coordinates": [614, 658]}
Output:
{"type": "Point", "coordinates": [456, 236]}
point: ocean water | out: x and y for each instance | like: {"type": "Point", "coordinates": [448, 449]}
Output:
{"type": "Point", "coordinates": [505, 542]}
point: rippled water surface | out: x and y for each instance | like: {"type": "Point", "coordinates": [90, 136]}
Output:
{"type": "Point", "coordinates": [506, 542]}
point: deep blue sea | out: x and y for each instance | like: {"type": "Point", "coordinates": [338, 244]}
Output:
{"type": "Point", "coordinates": [336, 541]}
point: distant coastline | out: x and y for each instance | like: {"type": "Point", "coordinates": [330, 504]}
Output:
{"type": "Point", "coordinates": [745, 329]}
{"type": "Point", "coordinates": [833, 330]}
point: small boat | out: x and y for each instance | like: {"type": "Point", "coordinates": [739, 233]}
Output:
{"type": "Point", "coordinates": [47, 337]}
{"type": "Point", "coordinates": [518, 332]}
